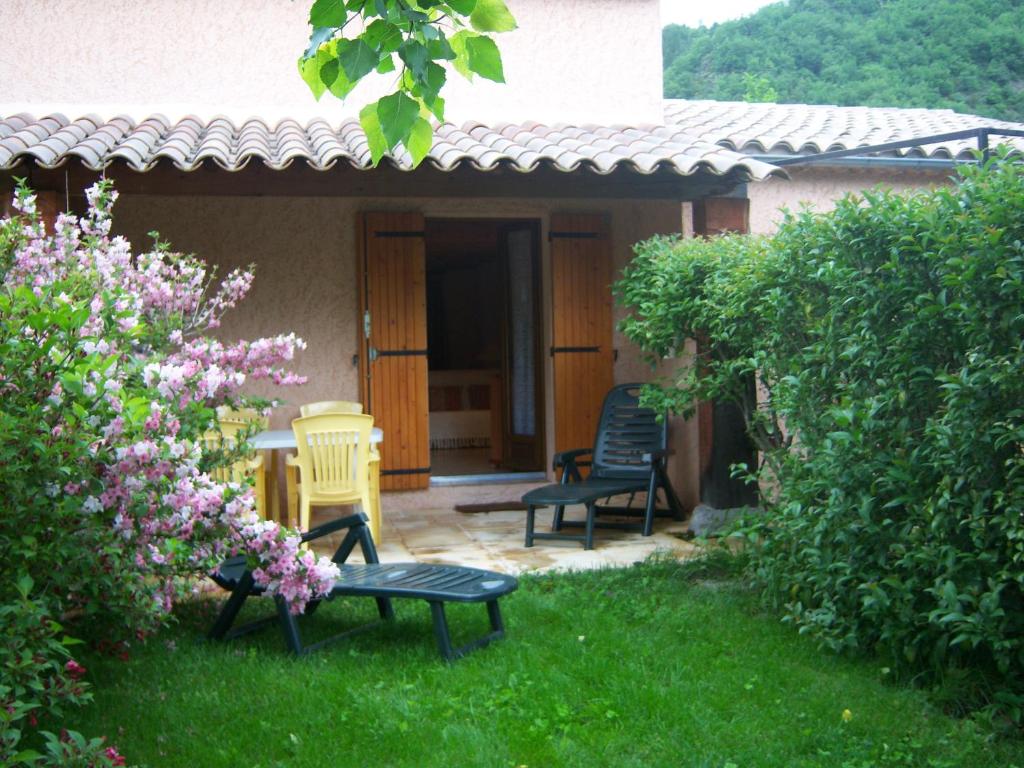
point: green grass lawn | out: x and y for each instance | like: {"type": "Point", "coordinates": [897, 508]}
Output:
{"type": "Point", "coordinates": [655, 665]}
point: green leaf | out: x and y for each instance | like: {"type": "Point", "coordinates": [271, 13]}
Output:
{"type": "Point", "coordinates": [461, 60]}
{"type": "Point", "coordinates": [492, 16]}
{"type": "Point", "coordinates": [383, 36]}
{"type": "Point", "coordinates": [415, 56]}
{"type": "Point", "coordinates": [436, 107]}
{"type": "Point", "coordinates": [357, 58]}
{"type": "Point", "coordinates": [464, 7]}
{"type": "Point", "coordinates": [374, 135]}
{"type": "Point", "coordinates": [321, 71]}
{"type": "Point", "coordinates": [484, 58]}
{"type": "Point", "coordinates": [328, 72]}
{"type": "Point", "coordinates": [332, 73]}
{"type": "Point", "coordinates": [25, 585]}
{"type": "Point", "coordinates": [440, 49]}
{"type": "Point", "coordinates": [421, 138]}
{"type": "Point", "coordinates": [328, 13]}
{"type": "Point", "coordinates": [320, 36]}
{"type": "Point", "coordinates": [387, 64]}
{"type": "Point", "coordinates": [396, 114]}
{"type": "Point", "coordinates": [429, 86]}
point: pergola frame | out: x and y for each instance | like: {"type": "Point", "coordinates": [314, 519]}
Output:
{"type": "Point", "coordinates": [981, 135]}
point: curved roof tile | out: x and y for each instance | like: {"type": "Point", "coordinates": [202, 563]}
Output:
{"type": "Point", "coordinates": [789, 129]}
{"type": "Point", "coordinates": [52, 140]}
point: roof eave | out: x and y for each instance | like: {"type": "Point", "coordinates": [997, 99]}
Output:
{"type": "Point", "coordinates": [903, 162]}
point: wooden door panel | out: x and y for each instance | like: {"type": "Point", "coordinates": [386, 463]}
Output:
{"type": "Point", "coordinates": [395, 360]}
{"type": "Point", "coordinates": [581, 325]}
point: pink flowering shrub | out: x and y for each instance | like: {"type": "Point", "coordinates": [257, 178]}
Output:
{"type": "Point", "coordinates": [109, 379]}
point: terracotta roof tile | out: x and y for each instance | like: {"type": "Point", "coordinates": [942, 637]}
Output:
{"type": "Point", "coordinates": [784, 129]}
{"type": "Point", "coordinates": [191, 141]}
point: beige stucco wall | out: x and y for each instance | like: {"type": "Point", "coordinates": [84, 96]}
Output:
{"type": "Point", "coordinates": [569, 61]}
{"type": "Point", "coordinates": [821, 187]}
{"type": "Point", "coordinates": [304, 250]}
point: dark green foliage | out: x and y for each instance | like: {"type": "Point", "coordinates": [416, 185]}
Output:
{"type": "Point", "coordinates": [889, 336]}
{"type": "Point", "coordinates": [966, 55]}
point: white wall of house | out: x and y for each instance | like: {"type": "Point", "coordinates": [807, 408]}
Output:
{"type": "Point", "coordinates": [575, 61]}
{"type": "Point", "coordinates": [820, 187]}
{"type": "Point", "coordinates": [304, 250]}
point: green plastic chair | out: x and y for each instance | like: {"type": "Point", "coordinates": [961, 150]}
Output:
{"type": "Point", "coordinates": [629, 455]}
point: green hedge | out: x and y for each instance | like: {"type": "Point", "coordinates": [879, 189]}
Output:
{"type": "Point", "coordinates": [889, 339]}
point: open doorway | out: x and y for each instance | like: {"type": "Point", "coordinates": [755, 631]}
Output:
{"type": "Point", "coordinates": [483, 334]}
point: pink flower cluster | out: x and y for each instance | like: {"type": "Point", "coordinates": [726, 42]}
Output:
{"type": "Point", "coordinates": [75, 670]}
{"type": "Point", "coordinates": [144, 339]}
{"type": "Point", "coordinates": [295, 574]}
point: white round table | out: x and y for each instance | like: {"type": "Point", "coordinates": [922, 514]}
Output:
{"type": "Point", "coordinates": [275, 439]}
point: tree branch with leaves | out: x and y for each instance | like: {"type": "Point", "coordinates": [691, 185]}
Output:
{"type": "Point", "coordinates": [417, 40]}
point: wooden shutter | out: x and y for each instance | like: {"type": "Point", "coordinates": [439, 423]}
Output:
{"type": "Point", "coordinates": [394, 324]}
{"type": "Point", "coordinates": [581, 274]}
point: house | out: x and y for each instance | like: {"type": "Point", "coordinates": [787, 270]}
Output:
{"type": "Point", "coordinates": [466, 302]}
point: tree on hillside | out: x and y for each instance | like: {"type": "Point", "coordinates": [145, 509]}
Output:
{"type": "Point", "coordinates": [966, 55]}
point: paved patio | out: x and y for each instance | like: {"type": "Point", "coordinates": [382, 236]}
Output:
{"type": "Point", "coordinates": [494, 540]}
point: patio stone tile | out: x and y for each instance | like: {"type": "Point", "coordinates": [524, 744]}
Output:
{"type": "Point", "coordinates": [439, 538]}
{"type": "Point", "coordinates": [495, 541]}
{"type": "Point", "coordinates": [490, 536]}
{"type": "Point", "coordinates": [407, 523]}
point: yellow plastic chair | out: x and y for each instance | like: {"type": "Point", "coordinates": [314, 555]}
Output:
{"type": "Point", "coordinates": [230, 423]}
{"type": "Point", "coordinates": [330, 406]}
{"type": "Point", "coordinates": [375, 516]}
{"type": "Point", "coordinates": [350, 406]}
{"type": "Point", "coordinates": [333, 462]}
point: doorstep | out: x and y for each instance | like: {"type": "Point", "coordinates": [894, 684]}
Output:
{"type": "Point", "coordinates": [447, 496]}
{"type": "Point", "coordinates": [492, 478]}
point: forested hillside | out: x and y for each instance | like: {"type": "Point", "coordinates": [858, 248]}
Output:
{"type": "Point", "coordinates": [967, 55]}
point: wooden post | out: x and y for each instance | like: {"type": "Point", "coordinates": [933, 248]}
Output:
{"type": "Point", "coordinates": [723, 440]}
{"type": "Point", "coordinates": [47, 203]}
{"type": "Point", "coordinates": [718, 215]}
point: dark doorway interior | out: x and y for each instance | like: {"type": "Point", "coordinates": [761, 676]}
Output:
{"type": "Point", "coordinates": [483, 332]}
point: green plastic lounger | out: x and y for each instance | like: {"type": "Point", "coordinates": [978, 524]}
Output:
{"type": "Point", "coordinates": [628, 456]}
{"type": "Point", "coordinates": [436, 584]}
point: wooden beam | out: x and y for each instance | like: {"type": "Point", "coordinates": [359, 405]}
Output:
{"type": "Point", "coordinates": [299, 180]}
{"type": "Point", "coordinates": [717, 215]}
